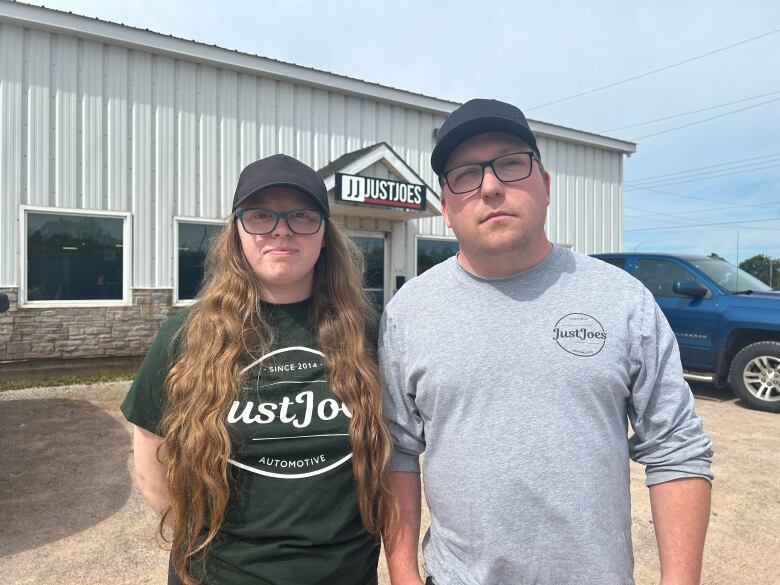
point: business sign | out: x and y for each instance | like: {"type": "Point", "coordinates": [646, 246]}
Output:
{"type": "Point", "coordinates": [372, 191]}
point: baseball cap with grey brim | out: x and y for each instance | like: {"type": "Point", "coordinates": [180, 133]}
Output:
{"type": "Point", "coordinates": [478, 116]}
{"type": "Point", "coordinates": [280, 170]}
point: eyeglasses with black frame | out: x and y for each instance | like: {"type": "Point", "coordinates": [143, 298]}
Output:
{"type": "Point", "coordinates": [260, 222]}
{"type": "Point", "coordinates": [508, 168]}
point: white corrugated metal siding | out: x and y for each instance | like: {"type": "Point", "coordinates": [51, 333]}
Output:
{"type": "Point", "coordinates": [88, 125]}
{"type": "Point", "coordinates": [11, 64]}
{"type": "Point", "coordinates": [97, 125]}
{"type": "Point", "coordinates": [586, 195]}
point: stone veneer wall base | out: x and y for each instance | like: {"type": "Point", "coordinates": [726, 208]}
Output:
{"type": "Point", "coordinates": [83, 332]}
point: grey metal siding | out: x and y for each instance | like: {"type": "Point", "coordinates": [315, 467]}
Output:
{"type": "Point", "coordinates": [586, 195]}
{"type": "Point", "coordinates": [99, 126]}
{"type": "Point", "coordinates": [95, 126]}
{"type": "Point", "coordinates": [11, 157]}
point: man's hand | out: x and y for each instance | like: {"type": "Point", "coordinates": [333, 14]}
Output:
{"type": "Point", "coordinates": [681, 512]}
{"type": "Point", "coordinates": [402, 542]}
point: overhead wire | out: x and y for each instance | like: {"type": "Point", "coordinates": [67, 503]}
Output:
{"type": "Point", "coordinates": [688, 176]}
{"type": "Point", "coordinates": [685, 180]}
{"type": "Point", "coordinates": [705, 120]}
{"type": "Point", "coordinates": [690, 113]}
{"type": "Point", "coordinates": [685, 171]}
{"type": "Point", "coordinates": [754, 166]}
{"type": "Point", "coordinates": [649, 213]}
{"type": "Point", "coordinates": [649, 216]}
{"type": "Point", "coordinates": [676, 218]}
{"type": "Point", "coordinates": [754, 220]}
{"type": "Point", "coordinates": [676, 222]}
{"type": "Point", "coordinates": [649, 182]}
{"type": "Point", "coordinates": [692, 197]}
{"type": "Point", "coordinates": [654, 71]}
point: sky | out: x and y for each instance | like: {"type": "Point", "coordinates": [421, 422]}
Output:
{"type": "Point", "coordinates": [719, 179]}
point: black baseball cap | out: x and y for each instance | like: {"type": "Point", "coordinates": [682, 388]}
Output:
{"type": "Point", "coordinates": [478, 116]}
{"type": "Point", "coordinates": [280, 170]}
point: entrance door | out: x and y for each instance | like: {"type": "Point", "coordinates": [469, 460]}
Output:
{"type": "Point", "coordinates": [373, 248]}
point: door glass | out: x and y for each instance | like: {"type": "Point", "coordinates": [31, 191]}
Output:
{"type": "Point", "coordinates": [432, 252]}
{"type": "Point", "coordinates": [659, 276]}
{"type": "Point", "coordinates": [373, 248]}
{"type": "Point", "coordinates": [619, 262]}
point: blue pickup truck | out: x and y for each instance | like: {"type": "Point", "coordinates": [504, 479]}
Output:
{"type": "Point", "coordinates": [727, 322]}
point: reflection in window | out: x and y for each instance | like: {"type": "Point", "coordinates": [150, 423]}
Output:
{"type": "Point", "coordinates": [619, 262]}
{"type": "Point", "coordinates": [194, 242]}
{"type": "Point", "coordinates": [71, 257]}
{"type": "Point", "coordinates": [373, 249]}
{"type": "Point", "coordinates": [659, 276]}
{"type": "Point", "coordinates": [431, 252]}
{"type": "Point", "coordinates": [729, 277]}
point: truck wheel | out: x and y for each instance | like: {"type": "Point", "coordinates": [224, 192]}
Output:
{"type": "Point", "coordinates": [755, 375]}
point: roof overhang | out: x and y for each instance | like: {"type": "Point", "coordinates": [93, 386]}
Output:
{"type": "Point", "coordinates": [83, 27]}
{"type": "Point", "coordinates": [581, 137]}
{"type": "Point", "coordinates": [357, 163]}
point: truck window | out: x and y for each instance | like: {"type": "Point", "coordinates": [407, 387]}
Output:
{"type": "Point", "coordinates": [659, 276]}
{"type": "Point", "coordinates": [729, 277]}
{"type": "Point", "coordinates": [619, 262]}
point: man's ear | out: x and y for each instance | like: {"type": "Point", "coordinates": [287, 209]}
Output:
{"type": "Point", "coordinates": [445, 211]}
{"type": "Point", "coordinates": [546, 177]}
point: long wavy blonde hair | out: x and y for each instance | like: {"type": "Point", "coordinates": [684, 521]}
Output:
{"type": "Point", "coordinates": [223, 330]}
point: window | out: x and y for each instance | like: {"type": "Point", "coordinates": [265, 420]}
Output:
{"type": "Point", "coordinates": [729, 277]}
{"type": "Point", "coordinates": [659, 276]}
{"type": "Point", "coordinates": [194, 240]}
{"type": "Point", "coordinates": [75, 257]}
{"type": "Point", "coordinates": [373, 248]}
{"type": "Point", "coordinates": [430, 252]}
{"type": "Point", "coordinates": [619, 262]}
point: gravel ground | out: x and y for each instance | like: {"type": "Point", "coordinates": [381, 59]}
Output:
{"type": "Point", "coordinates": [72, 515]}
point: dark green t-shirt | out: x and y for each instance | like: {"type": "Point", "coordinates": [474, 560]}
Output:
{"type": "Point", "coordinates": [293, 516]}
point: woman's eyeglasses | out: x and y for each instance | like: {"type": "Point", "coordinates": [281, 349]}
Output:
{"type": "Point", "coordinates": [259, 222]}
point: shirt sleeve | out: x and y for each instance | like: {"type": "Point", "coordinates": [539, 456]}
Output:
{"type": "Point", "coordinates": [146, 400]}
{"type": "Point", "coordinates": [669, 438]}
{"type": "Point", "coordinates": [404, 420]}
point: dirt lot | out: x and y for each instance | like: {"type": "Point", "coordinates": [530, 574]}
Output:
{"type": "Point", "coordinates": [71, 514]}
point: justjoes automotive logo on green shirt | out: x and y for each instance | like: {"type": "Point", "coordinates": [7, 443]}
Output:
{"type": "Point", "coordinates": [292, 426]}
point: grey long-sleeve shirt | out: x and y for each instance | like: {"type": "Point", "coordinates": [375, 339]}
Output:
{"type": "Point", "coordinates": [519, 390]}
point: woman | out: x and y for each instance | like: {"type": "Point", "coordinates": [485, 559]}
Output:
{"type": "Point", "coordinates": [259, 436]}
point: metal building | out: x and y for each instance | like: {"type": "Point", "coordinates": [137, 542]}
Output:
{"type": "Point", "coordinates": [120, 149]}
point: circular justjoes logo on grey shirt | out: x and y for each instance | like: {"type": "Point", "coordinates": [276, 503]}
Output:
{"type": "Point", "coordinates": [579, 334]}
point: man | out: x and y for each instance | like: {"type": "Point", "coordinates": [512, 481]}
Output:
{"type": "Point", "coordinates": [516, 367]}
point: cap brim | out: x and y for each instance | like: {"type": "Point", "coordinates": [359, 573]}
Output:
{"type": "Point", "coordinates": [289, 185]}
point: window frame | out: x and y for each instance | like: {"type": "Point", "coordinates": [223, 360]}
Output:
{"type": "Point", "coordinates": [127, 257]}
{"type": "Point", "coordinates": [419, 237]}
{"type": "Point", "coordinates": [179, 219]}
